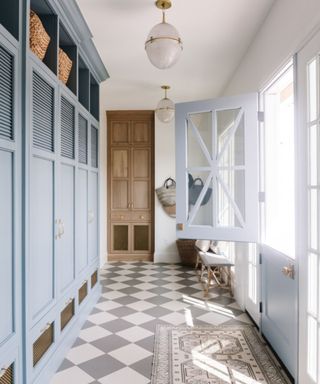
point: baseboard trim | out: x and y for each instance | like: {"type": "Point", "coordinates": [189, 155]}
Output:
{"type": "Point", "coordinates": [57, 358]}
{"type": "Point", "coordinates": [170, 258]}
{"type": "Point", "coordinates": [134, 257]}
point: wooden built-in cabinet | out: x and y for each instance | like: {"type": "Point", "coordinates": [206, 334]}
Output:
{"type": "Point", "coordinates": [131, 184]}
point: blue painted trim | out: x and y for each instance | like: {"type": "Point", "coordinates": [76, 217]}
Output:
{"type": "Point", "coordinates": [67, 341]}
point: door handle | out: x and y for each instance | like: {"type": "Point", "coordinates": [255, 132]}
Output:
{"type": "Point", "coordinates": [288, 271]}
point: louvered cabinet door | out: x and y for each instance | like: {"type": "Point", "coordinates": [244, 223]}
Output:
{"type": "Point", "coordinates": [9, 189]}
{"type": "Point", "coordinates": [65, 218]}
{"type": "Point", "coordinates": [42, 196]}
{"type": "Point", "coordinates": [82, 207]}
{"type": "Point", "coordinates": [93, 216]}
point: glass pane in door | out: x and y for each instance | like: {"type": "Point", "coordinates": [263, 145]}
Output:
{"type": "Point", "coordinates": [279, 165]}
{"type": "Point", "coordinates": [313, 308]}
{"type": "Point", "coordinates": [200, 198]}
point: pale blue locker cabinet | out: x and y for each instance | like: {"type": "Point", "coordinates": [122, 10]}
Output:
{"type": "Point", "coordinates": [49, 183]}
{"type": "Point", "coordinates": [10, 194]}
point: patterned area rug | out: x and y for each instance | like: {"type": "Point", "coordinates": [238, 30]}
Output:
{"type": "Point", "coordinates": [213, 355]}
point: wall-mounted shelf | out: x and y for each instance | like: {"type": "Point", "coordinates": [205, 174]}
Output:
{"type": "Point", "coordinates": [83, 81]}
{"type": "Point", "coordinates": [9, 16]}
{"type": "Point", "coordinates": [94, 98]}
{"type": "Point", "coordinates": [50, 22]}
{"type": "Point", "coordinates": [70, 48]}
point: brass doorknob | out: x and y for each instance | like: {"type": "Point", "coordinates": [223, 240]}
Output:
{"type": "Point", "coordinates": [288, 271]}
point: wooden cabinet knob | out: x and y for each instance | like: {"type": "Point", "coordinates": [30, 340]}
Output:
{"type": "Point", "coordinates": [141, 217]}
{"type": "Point", "coordinates": [121, 217]}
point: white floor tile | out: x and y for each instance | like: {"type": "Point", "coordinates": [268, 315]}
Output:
{"type": "Point", "coordinates": [100, 318]}
{"type": "Point", "coordinates": [173, 295]}
{"type": "Point", "coordinates": [138, 318]}
{"type": "Point", "coordinates": [141, 305]}
{"type": "Point", "coordinates": [117, 286]}
{"type": "Point", "coordinates": [174, 318]}
{"type": "Point", "coordinates": [108, 305]}
{"type": "Point", "coordinates": [82, 353]}
{"type": "Point", "coordinates": [121, 278]}
{"type": "Point", "coordinates": [113, 295]}
{"type": "Point", "coordinates": [123, 376]}
{"type": "Point", "coordinates": [175, 305]}
{"type": "Point", "coordinates": [72, 375]}
{"type": "Point", "coordinates": [134, 334]}
{"type": "Point", "coordinates": [93, 333]}
{"type": "Point", "coordinates": [143, 295]}
{"type": "Point", "coordinates": [145, 286]}
{"type": "Point", "coordinates": [214, 318]}
{"type": "Point", "coordinates": [174, 286]}
{"type": "Point", "coordinates": [147, 279]}
{"type": "Point", "coordinates": [130, 354]}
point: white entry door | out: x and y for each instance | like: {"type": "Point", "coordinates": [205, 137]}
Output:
{"type": "Point", "coordinates": [279, 288]}
{"type": "Point", "coordinates": [309, 218]}
{"type": "Point", "coordinates": [217, 169]}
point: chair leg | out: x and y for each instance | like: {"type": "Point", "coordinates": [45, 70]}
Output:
{"type": "Point", "coordinates": [209, 277]}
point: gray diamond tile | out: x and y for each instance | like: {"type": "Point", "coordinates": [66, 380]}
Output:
{"type": "Point", "coordinates": [122, 311]}
{"type": "Point", "coordinates": [125, 300]}
{"type": "Point", "coordinates": [110, 343]}
{"type": "Point", "coordinates": [147, 343]}
{"type": "Point", "coordinates": [65, 365]}
{"type": "Point", "coordinates": [188, 291]}
{"type": "Point", "coordinates": [157, 311]}
{"type": "Point", "coordinates": [130, 290]}
{"type": "Point", "coordinates": [159, 290]}
{"type": "Point", "coordinates": [101, 366]}
{"type": "Point", "coordinates": [157, 300]}
{"type": "Point", "coordinates": [116, 325]}
{"type": "Point", "coordinates": [144, 367]}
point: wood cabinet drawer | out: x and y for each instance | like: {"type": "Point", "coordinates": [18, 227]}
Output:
{"type": "Point", "coordinates": [141, 216]}
{"type": "Point", "coordinates": [121, 216]}
{"type": "Point", "coordinates": [7, 375]}
{"type": "Point", "coordinates": [82, 292]}
{"type": "Point", "coordinates": [43, 343]}
{"type": "Point", "coordinates": [67, 314]}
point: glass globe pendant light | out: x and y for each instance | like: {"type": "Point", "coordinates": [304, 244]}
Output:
{"type": "Point", "coordinates": [163, 45]}
{"type": "Point", "coordinates": [165, 107]}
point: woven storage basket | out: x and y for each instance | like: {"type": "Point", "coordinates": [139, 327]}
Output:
{"type": "Point", "coordinates": [167, 193]}
{"type": "Point", "coordinates": [187, 251]}
{"type": "Point", "coordinates": [39, 39]}
{"type": "Point", "coordinates": [65, 65]}
{"type": "Point", "coordinates": [171, 211]}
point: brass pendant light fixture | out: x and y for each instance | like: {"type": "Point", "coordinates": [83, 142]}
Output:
{"type": "Point", "coordinates": [165, 108]}
{"type": "Point", "coordinates": [163, 45]}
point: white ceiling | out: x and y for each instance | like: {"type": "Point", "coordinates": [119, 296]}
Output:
{"type": "Point", "coordinates": [215, 34]}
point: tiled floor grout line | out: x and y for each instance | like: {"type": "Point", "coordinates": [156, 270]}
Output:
{"type": "Point", "coordinates": [116, 343]}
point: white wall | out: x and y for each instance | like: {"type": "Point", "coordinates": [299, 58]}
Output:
{"type": "Point", "coordinates": [285, 29]}
{"type": "Point", "coordinates": [165, 226]}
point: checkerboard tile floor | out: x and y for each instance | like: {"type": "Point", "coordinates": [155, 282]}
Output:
{"type": "Point", "coordinates": [116, 342]}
